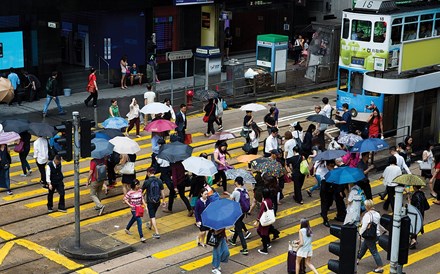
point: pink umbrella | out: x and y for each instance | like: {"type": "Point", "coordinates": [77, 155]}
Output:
{"type": "Point", "coordinates": [8, 137]}
{"type": "Point", "coordinates": [160, 125]}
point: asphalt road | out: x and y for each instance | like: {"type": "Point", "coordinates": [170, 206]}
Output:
{"type": "Point", "coordinates": [29, 236]}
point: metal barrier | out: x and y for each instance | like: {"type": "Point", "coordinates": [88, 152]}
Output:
{"type": "Point", "coordinates": [100, 58]}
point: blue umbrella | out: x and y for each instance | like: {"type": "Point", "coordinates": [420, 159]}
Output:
{"type": "Point", "coordinates": [369, 145]}
{"type": "Point", "coordinates": [100, 135]}
{"type": "Point", "coordinates": [115, 123]}
{"type": "Point", "coordinates": [102, 148]}
{"type": "Point", "coordinates": [344, 175]}
{"type": "Point", "coordinates": [330, 155]}
{"type": "Point", "coordinates": [221, 214]}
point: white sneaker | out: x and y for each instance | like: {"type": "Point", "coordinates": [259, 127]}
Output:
{"type": "Point", "coordinates": [216, 271]}
{"type": "Point", "coordinates": [248, 234]}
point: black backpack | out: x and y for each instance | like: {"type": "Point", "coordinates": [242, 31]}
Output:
{"type": "Point", "coordinates": [153, 191]}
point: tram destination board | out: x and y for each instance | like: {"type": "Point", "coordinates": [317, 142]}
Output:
{"type": "Point", "coordinates": [179, 55]}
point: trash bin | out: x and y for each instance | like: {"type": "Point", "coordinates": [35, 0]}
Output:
{"type": "Point", "coordinates": [67, 91]}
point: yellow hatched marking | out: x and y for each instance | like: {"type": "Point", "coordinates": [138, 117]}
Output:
{"type": "Point", "coordinates": [4, 251]}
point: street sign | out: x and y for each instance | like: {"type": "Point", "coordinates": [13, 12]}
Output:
{"type": "Point", "coordinates": [179, 55]}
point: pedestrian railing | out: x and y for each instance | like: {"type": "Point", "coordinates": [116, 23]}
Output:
{"type": "Point", "coordinates": [101, 59]}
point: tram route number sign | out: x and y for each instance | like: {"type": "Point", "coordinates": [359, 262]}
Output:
{"type": "Point", "coordinates": [179, 55]}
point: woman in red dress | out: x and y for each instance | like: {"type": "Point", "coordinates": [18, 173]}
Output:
{"type": "Point", "coordinates": [375, 129]}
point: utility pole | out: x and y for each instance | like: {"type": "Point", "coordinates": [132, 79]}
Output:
{"type": "Point", "coordinates": [397, 216]}
{"type": "Point", "coordinates": [76, 119]}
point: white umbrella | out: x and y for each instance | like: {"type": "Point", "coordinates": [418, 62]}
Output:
{"type": "Point", "coordinates": [155, 108]}
{"type": "Point", "coordinates": [125, 145]}
{"type": "Point", "coordinates": [199, 166]}
{"type": "Point", "coordinates": [252, 107]}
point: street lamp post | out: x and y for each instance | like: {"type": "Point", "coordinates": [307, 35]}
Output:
{"type": "Point", "coordinates": [76, 119]}
{"type": "Point", "coordinates": [397, 216]}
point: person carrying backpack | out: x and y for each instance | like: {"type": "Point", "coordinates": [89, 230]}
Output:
{"type": "Point", "coordinates": [97, 176]}
{"type": "Point", "coordinates": [240, 195]}
{"type": "Point", "coordinates": [153, 189]}
{"type": "Point", "coordinates": [52, 93]}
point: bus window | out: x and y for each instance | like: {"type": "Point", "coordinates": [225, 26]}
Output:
{"type": "Point", "coordinates": [369, 93]}
{"type": "Point", "coordinates": [396, 31]}
{"type": "Point", "coordinates": [346, 28]}
{"type": "Point", "coordinates": [436, 29]}
{"type": "Point", "coordinates": [361, 30]}
{"type": "Point", "coordinates": [356, 82]}
{"type": "Point", "coordinates": [380, 31]}
{"type": "Point", "coordinates": [410, 28]}
{"type": "Point", "coordinates": [343, 79]}
{"type": "Point", "coordinates": [426, 22]}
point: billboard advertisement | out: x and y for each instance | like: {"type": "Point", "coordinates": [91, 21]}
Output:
{"type": "Point", "coordinates": [11, 50]}
{"type": "Point", "coordinates": [415, 55]}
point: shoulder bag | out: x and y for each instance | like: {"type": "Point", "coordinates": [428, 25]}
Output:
{"type": "Point", "coordinates": [139, 211]}
{"type": "Point", "coordinates": [19, 147]}
{"type": "Point", "coordinates": [212, 239]}
{"type": "Point", "coordinates": [304, 167]}
{"type": "Point", "coordinates": [424, 165]}
{"type": "Point", "coordinates": [371, 231]}
{"type": "Point", "coordinates": [268, 216]}
{"type": "Point", "coordinates": [206, 117]}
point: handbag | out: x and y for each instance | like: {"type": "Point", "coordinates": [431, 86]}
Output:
{"type": "Point", "coordinates": [212, 239]}
{"type": "Point", "coordinates": [247, 147]}
{"type": "Point", "coordinates": [371, 231]}
{"type": "Point", "coordinates": [304, 167]}
{"type": "Point", "coordinates": [268, 216]}
{"type": "Point", "coordinates": [424, 165]}
{"type": "Point", "coordinates": [128, 168]}
{"type": "Point", "coordinates": [139, 211]}
{"type": "Point", "coordinates": [188, 139]}
{"type": "Point", "coordinates": [206, 117]}
{"type": "Point", "coordinates": [19, 147]}
{"type": "Point", "coordinates": [245, 132]}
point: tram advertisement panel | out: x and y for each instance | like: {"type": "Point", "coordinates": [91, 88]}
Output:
{"type": "Point", "coordinates": [361, 55]}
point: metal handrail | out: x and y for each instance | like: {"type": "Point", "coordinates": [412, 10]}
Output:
{"type": "Point", "coordinates": [108, 67]}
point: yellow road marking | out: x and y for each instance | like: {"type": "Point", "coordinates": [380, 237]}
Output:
{"type": "Point", "coordinates": [4, 250]}
{"type": "Point", "coordinates": [6, 235]}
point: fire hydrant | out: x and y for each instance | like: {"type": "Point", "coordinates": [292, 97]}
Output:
{"type": "Point", "coordinates": [189, 97]}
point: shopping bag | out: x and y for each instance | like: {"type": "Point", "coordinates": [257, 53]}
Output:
{"type": "Point", "coordinates": [188, 139]}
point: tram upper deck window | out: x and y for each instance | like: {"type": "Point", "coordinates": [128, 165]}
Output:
{"type": "Point", "coordinates": [343, 79]}
{"type": "Point", "coordinates": [356, 82]}
{"type": "Point", "coordinates": [410, 28]}
{"type": "Point", "coordinates": [346, 28]}
{"type": "Point", "coordinates": [380, 31]}
{"type": "Point", "coordinates": [436, 29]}
{"type": "Point", "coordinates": [361, 30]}
{"type": "Point", "coordinates": [396, 31]}
{"type": "Point", "coordinates": [426, 22]}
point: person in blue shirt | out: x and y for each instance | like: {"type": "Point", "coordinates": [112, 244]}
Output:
{"type": "Point", "coordinates": [15, 81]}
{"type": "Point", "coordinates": [344, 124]}
{"type": "Point", "coordinates": [135, 75]}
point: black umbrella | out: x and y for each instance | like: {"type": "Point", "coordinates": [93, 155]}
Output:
{"type": "Point", "coordinates": [16, 125]}
{"type": "Point", "coordinates": [207, 94]}
{"type": "Point", "coordinates": [329, 155]}
{"type": "Point", "coordinates": [175, 152]}
{"type": "Point", "coordinates": [42, 130]}
{"type": "Point", "coordinates": [322, 119]}
{"type": "Point", "coordinates": [112, 133]}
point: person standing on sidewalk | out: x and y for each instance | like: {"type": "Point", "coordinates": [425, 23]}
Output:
{"type": "Point", "coordinates": [134, 198]}
{"type": "Point", "coordinates": [241, 196]}
{"type": "Point", "coordinates": [97, 176]}
{"type": "Point", "coordinates": [15, 81]}
{"type": "Point", "coordinates": [181, 122]}
{"type": "Point", "coordinates": [133, 118]}
{"type": "Point", "coordinates": [153, 189]}
{"type": "Point", "coordinates": [52, 94]}
{"type": "Point", "coordinates": [5, 163]}
{"type": "Point", "coordinates": [41, 155]}
{"type": "Point", "coordinates": [54, 179]}
{"type": "Point", "coordinates": [92, 88]}
{"type": "Point", "coordinates": [33, 86]}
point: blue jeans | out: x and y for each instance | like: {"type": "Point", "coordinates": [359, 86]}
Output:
{"type": "Point", "coordinates": [48, 100]}
{"type": "Point", "coordinates": [138, 220]}
{"type": "Point", "coordinates": [370, 244]}
{"type": "Point", "coordinates": [5, 181]}
{"type": "Point", "coordinates": [220, 253]}
{"type": "Point", "coordinates": [317, 185]}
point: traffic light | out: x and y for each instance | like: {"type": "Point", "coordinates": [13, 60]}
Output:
{"type": "Point", "coordinates": [86, 137]}
{"type": "Point", "coordinates": [346, 249]}
{"type": "Point", "coordinates": [65, 141]}
{"type": "Point", "coordinates": [385, 240]}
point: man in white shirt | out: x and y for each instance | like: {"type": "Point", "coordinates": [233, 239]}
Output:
{"type": "Point", "coordinates": [41, 155]}
{"type": "Point", "coordinates": [149, 97]}
{"type": "Point", "coordinates": [54, 179]}
{"type": "Point", "coordinates": [390, 172]}
{"type": "Point", "coordinates": [400, 161]}
{"type": "Point", "coordinates": [327, 111]}
{"type": "Point", "coordinates": [271, 142]}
